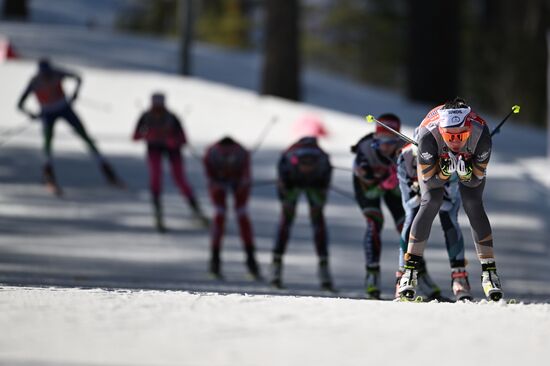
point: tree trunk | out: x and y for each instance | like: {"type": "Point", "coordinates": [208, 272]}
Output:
{"type": "Point", "coordinates": [281, 69]}
{"type": "Point", "coordinates": [434, 50]}
{"type": "Point", "coordinates": [548, 97]}
{"type": "Point", "coordinates": [15, 9]}
{"type": "Point", "coordinates": [186, 35]}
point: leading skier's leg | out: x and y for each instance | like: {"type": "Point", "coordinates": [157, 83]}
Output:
{"type": "Point", "coordinates": [472, 199]}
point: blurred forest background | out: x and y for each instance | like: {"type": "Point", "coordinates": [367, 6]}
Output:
{"type": "Point", "coordinates": [492, 52]}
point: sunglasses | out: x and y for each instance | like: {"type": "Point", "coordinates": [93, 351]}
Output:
{"type": "Point", "coordinates": [455, 137]}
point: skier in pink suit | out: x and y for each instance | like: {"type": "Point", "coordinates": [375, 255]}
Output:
{"type": "Point", "coordinates": [164, 135]}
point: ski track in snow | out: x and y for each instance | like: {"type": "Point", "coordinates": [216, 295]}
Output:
{"type": "Point", "coordinates": [171, 312]}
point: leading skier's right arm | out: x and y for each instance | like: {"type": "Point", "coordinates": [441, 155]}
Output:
{"type": "Point", "coordinates": [428, 161]}
{"type": "Point", "coordinates": [408, 185]}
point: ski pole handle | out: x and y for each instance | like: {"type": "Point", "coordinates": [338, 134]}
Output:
{"type": "Point", "coordinates": [515, 110]}
{"type": "Point", "coordinates": [370, 119]}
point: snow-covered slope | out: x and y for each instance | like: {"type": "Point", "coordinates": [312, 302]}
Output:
{"type": "Point", "coordinates": [96, 327]}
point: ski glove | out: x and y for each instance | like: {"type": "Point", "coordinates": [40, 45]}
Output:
{"type": "Point", "coordinates": [464, 169]}
{"type": "Point", "coordinates": [415, 188]}
{"type": "Point", "coordinates": [448, 165]}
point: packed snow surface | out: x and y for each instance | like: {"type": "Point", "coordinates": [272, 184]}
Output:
{"type": "Point", "coordinates": [44, 326]}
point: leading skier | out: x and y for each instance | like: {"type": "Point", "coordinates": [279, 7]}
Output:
{"type": "Point", "coordinates": [452, 138]}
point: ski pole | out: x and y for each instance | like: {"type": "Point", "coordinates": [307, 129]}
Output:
{"type": "Point", "coordinates": [264, 133]}
{"type": "Point", "coordinates": [342, 168]}
{"type": "Point", "coordinates": [193, 152]}
{"type": "Point", "coordinates": [370, 118]}
{"type": "Point", "coordinates": [13, 132]}
{"type": "Point", "coordinates": [515, 110]}
{"type": "Point", "coordinates": [342, 193]}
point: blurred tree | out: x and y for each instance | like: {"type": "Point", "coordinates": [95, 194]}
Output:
{"type": "Point", "coordinates": [336, 40]}
{"type": "Point", "coordinates": [433, 61]}
{"type": "Point", "coordinates": [15, 9]}
{"type": "Point", "coordinates": [157, 17]}
{"type": "Point", "coordinates": [225, 22]}
{"type": "Point", "coordinates": [506, 55]}
{"type": "Point", "coordinates": [281, 68]}
{"type": "Point", "coordinates": [186, 35]}
{"type": "Point", "coordinates": [361, 39]}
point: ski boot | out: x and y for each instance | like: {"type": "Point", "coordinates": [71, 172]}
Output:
{"type": "Point", "coordinates": [427, 286]}
{"type": "Point", "coordinates": [252, 264]}
{"type": "Point", "coordinates": [324, 275]}
{"type": "Point", "coordinates": [460, 284]}
{"type": "Point", "coordinates": [277, 271]}
{"type": "Point", "coordinates": [409, 282]}
{"type": "Point", "coordinates": [50, 181]}
{"type": "Point", "coordinates": [490, 281]}
{"type": "Point", "coordinates": [214, 266]}
{"type": "Point", "coordinates": [159, 222]}
{"type": "Point", "coordinates": [372, 282]}
{"type": "Point", "coordinates": [398, 275]}
{"type": "Point", "coordinates": [110, 176]}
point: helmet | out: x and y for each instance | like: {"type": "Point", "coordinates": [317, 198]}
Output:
{"type": "Point", "coordinates": [157, 99]}
{"type": "Point", "coordinates": [44, 65]}
{"type": "Point", "coordinates": [157, 102]}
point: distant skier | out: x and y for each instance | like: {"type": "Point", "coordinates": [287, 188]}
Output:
{"type": "Point", "coordinates": [303, 168]}
{"type": "Point", "coordinates": [452, 139]}
{"type": "Point", "coordinates": [448, 215]}
{"type": "Point", "coordinates": [374, 179]}
{"type": "Point", "coordinates": [227, 166]}
{"type": "Point", "coordinates": [164, 135]}
{"type": "Point", "coordinates": [48, 89]}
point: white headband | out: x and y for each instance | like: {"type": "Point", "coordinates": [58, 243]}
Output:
{"type": "Point", "coordinates": [453, 117]}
